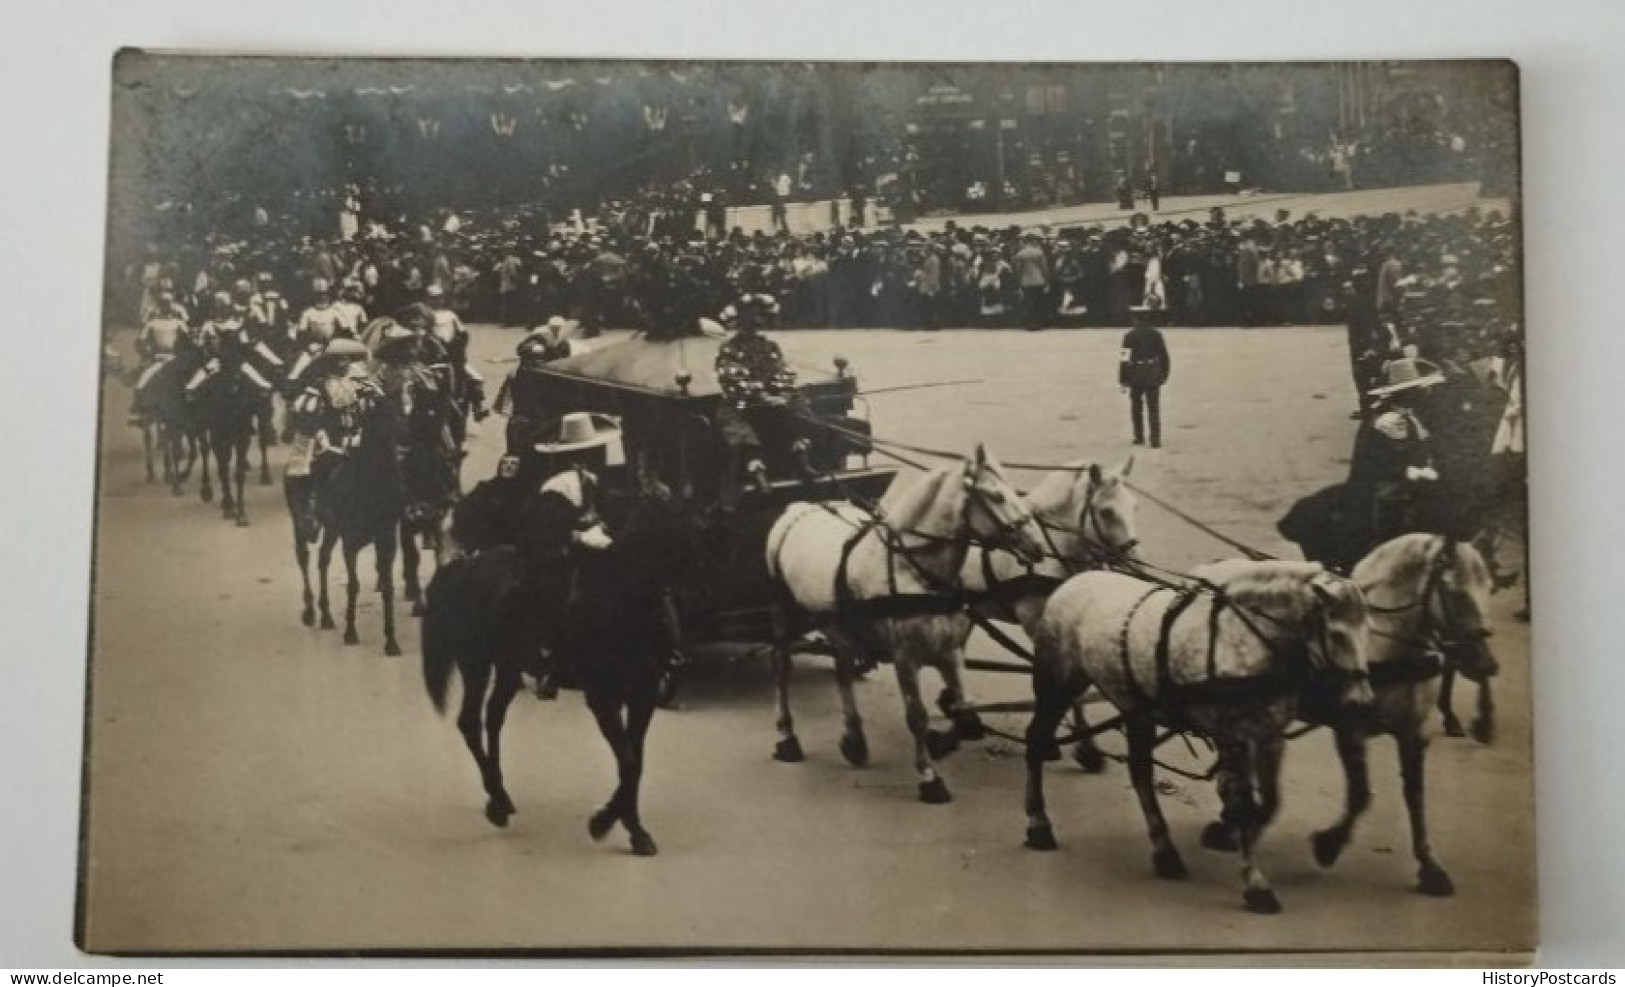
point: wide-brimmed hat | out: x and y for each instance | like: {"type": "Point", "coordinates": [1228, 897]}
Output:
{"type": "Point", "coordinates": [579, 430]}
{"type": "Point", "coordinates": [1403, 375]}
{"type": "Point", "coordinates": [393, 335]}
{"type": "Point", "coordinates": [345, 348]}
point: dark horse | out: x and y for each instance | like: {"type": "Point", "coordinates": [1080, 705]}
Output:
{"type": "Point", "coordinates": [613, 639]}
{"type": "Point", "coordinates": [354, 502]}
{"type": "Point", "coordinates": [228, 407]}
{"type": "Point", "coordinates": [168, 426]}
{"type": "Point", "coordinates": [429, 459]}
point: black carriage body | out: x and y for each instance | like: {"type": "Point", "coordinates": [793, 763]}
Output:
{"type": "Point", "coordinates": [666, 396]}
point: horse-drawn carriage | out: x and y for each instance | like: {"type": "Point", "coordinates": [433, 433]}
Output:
{"type": "Point", "coordinates": [665, 396]}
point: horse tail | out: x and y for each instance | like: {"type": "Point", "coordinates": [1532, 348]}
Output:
{"type": "Point", "coordinates": [442, 620]}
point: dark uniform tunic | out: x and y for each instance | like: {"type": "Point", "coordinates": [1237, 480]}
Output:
{"type": "Point", "coordinates": [1143, 367]}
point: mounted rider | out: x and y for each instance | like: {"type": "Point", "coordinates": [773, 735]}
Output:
{"type": "Point", "coordinates": [226, 345]}
{"type": "Point", "coordinates": [352, 316]}
{"type": "Point", "coordinates": [317, 324]}
{"type": "Point", "coordinates": [468, 389]}
{"type": "Point", "coordinates": [759, 398]}
{"type": "Point", "coordinates": [164, 337]}
{"type": "Point", "coordinates": [1393, 462]}
{"type": "Point", "coordinates": [518, 397]}
{"type": "Point", "coordinates": [548, 522]}
{"type": "Point", "coordinates": [428, 454]}
{"type": "Point", "coordinates": [326, 415]}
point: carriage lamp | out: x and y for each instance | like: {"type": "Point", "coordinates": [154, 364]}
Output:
{"type": "Point", "coordinates": [683, 380]}
{"type": "Point", "coordinates": [840, 366]}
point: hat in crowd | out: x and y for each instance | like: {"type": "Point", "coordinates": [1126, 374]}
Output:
{"type": "Point", "coordinates": [392, 334]}
{"type": "Point", "coordinates": [435, 291]}
{"type": "Point", "coordinates": [1403, 375]}
{"type": "Point", "coordinates": [543, 337]}
{"type": "Point", "coordinates": [577, 431]}
{"type": "Point", "coordinates": [320, 285]}
{"type": "Point", "coordinates": [344, 348]}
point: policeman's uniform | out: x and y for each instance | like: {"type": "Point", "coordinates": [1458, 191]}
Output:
{"type": "Point", "coordinates": [1144, 367]}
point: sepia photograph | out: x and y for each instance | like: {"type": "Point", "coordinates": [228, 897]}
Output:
{"type": "Point", "coordinates": [742, 508]}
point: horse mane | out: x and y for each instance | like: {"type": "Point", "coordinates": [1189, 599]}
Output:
{"type": "Point", "coordinates": [1399, 560]}
{"type": "Point", "coordinates": [1279, 589]}
{"type": "Point", "coordinates": [1407, 559]}
{"type": "Point", "coordinates": [904, 509]}
{"type": "Point", "coordinates": [1054, 491]}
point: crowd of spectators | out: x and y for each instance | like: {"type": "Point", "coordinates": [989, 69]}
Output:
{"type": "Point", "coordinates": [657, 263]}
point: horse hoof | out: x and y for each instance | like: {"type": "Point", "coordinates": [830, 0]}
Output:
{"type": "Point", "coordinates": [498, 813]}
{"type": "Point", "coordinates": [1089, 758]}
{"type": "Point", "coordinates": [1052, 751]}
{"type": "Point", "coordinates": [392, 649]}
{"type": "Point", "coordinates": [1261, 901]}
{"type": "Point", "coordinates": [1452, 727]}
{"type": "Point", "coordinates": [1040, 838]}
{"type": "Point", "coordinates": [1217, 836]}
{"type": "Point", "coordinates": [1169, 865]}
{"type": "Point", "coordinates": [351, 637]}
{"type": "Point", "coordinates": [308, 618]}
{"type": "Point", "coordinates": [265, 479]}
{"type": "Point", "coordinates": [1435, 883]}
{"type": "Point", "coordinates": [327, 622]}
{"type": "Point", "coordinates": [969, 726]}
{"type": "Point", "coordinates": [1483, 731]}
{"type": "Point", "coordinates": [855, 748]}
{"type": "Point", "coordinates": [643, 845]}
{"type": "Point", "coordinates": [789, 751]}
{"type": "Point", "coordinates": [207, 494]}
{"type": "Point", "coordinates": [175, 491]}
{"type": "Point", "coordinates": [935, 792]}
{"type": "Point", "coordinates": [601, 822]}
{"type": "Point", "coordinates": [939, 745]}
{"type": "Point", "coordinates": [1328, 847]}
{"type": "Point", "coordinates": [242, 522]}
{"type": "Point", "coordinates": [417, 609]}
{"type": "Point", "coordinates": [411, 593]}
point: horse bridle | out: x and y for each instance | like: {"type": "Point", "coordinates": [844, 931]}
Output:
{"type": "Point", "coordinates": [1104, 551]}
{"type": "Point", "coordinates": [1007, 533]}
{"type": "Point", "coordinates": [1449, 637]}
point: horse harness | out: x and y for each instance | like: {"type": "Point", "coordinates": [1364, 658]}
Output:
{"type": "Point", "coordinates": [1300, 670]}
{"type": "Point", "coordinates": [942, 598]}
{"type": "Point", "coordinates": [1032, 582]}
{"type": "Point", "coordinates": [1425, 658]}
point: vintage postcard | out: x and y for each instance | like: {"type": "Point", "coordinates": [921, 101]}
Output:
{"type": "Point", "coordinates": [606, 508]}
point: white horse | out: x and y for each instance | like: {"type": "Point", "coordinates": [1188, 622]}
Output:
{"type": "Point", "coordinates": [863, 577]}
{"type": "Point", "coordinates": [1227, 659]}
{"type": "Point", "coordinates": [1428, 596]}
{"type": "Point", "coordinates": [1087, 516]}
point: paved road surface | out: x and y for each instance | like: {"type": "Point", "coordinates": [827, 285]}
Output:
{"type": "Point", "coordinates": [256, 785]}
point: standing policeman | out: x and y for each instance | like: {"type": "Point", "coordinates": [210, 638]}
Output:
{"type": "Point", "coordinates": [1143, 367]}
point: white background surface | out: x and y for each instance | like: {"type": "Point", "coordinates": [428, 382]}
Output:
{"type": "Point", "coordinates": [54, 80]}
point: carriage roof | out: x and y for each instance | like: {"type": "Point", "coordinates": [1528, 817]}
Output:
{"type": "Point", "coordinates": [653, 367]}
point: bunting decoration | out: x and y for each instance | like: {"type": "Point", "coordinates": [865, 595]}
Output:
{"type": "Point", "coordinates": [504, 124]}
{"type": "Point", "coordinates": [655, 118]}
{"type": "Point", "coordinates": [558, 85]}
{"type": "Point", "coordinates": [355, 133]}
{"type": "Point", "coordinates": [738, 112]}
{"type": "Point", "coordinates": [429, 128]}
